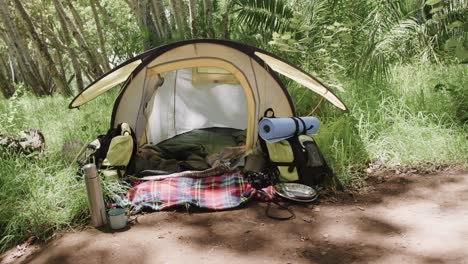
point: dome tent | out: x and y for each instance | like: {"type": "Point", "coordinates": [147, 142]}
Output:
{"type": "Point", "coordinates": [195, 84]}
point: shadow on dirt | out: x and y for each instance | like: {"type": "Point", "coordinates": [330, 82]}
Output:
{"type": "Point", "coordinates": [342, 229]}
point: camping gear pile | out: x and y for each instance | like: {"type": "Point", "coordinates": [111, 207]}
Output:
{"type": "Point", "coordinates": [208, 123]}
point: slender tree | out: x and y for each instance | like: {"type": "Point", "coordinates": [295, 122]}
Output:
{"type": "Point", "coordinates": [192, 17]}
{"type": "Point", "coordinates": [6, 84]}
{"type": "Point", "coordinates": [28, 68]}
{"type": "Point", "coordinates": [177, 15]}
{"type": "Point", "coordinates": [184, 21]}
{"type": "Point", "coordinates": [52, 70]}
{"type": "Point", "coordinates": [76, 17]}
{"type": "Point", "coordinates": [149, 23]}
{"type": "Point", "coordinates": [90, 54]}
{"type": "Point", "coordinates": [208, 18]}
{"type": "Point", "coordinates": [100, 33]}
{"type": "Point", "coordinates": [156, 21]}
{"type": "Point", "coordinates": [160, 13]}
{"type": "Point", "coordinates": [69, 46]}
{"type": "Point", "coordinates": [142, 12]}
{"type": "Point", "coordinates": [223, 26]}
{"type": "Point", "coordinates": [108, 21]}
{"type": "Point", "coordinates": [56, 51]}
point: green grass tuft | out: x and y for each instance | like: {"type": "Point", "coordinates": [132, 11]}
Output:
{"type": "Point", "coordinates": [40, 196]}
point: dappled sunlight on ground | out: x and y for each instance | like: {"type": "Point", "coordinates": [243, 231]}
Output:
{"type": "Point", "coordinates": [404, 219]}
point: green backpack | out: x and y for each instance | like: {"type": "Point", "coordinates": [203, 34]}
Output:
{"type": "Point", "coordinates": [115, 151]}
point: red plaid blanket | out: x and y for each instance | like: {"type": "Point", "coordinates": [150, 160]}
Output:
{"type": "Point", "coordinates": [222, 192]}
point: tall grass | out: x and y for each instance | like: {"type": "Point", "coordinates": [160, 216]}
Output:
{"type": "Point", "coordinates": [417, 123]}
{"type": "Point", "coordinates": [416, 119]}
{"type": "Point", "coordinates": [40, 196]}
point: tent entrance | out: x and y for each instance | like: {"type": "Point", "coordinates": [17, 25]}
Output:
{"type": "Point", "coordinates": [222, 66]}
{"type": "Point", "coordinates": [194, 98]}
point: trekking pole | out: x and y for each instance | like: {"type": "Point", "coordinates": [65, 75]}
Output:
{"type": "Point", "coordinates": [95, 198]}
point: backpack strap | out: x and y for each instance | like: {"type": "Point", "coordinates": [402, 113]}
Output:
{"type": "Point", "coordinates": [269, 110]}
{"type": "Point", "coordinates": [282, 206]}
{"type": "Point", "coordinates": [304, 128]}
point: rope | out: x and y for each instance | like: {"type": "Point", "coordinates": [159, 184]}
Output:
{"type": "Point", "coordinates": [316, 107]}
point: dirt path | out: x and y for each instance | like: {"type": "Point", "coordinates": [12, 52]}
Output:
{"type": "Point", "coordinates": [400, 219]}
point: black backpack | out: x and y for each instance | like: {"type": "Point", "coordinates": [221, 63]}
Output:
{"type": "Point", "coordinates": [307, 161]}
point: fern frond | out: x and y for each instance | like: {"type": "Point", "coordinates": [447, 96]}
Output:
{"type": "Point", "coordinates": [270, 15]}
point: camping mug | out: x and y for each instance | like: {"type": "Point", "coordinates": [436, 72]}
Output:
{"type": "Point", "coordinates": [117, 218]}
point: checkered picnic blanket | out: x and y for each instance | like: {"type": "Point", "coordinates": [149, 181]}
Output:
{"type": "Point", "coordinates": [220, 192]}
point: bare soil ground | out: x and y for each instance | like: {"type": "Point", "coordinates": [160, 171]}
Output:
{"type": "Point", "coordinates": [397, 219]}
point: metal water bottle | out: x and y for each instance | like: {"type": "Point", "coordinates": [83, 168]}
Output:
{"type": "Point", "coordinates": [95, 198]}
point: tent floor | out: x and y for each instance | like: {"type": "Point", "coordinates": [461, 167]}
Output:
{"type": "Point", "coordinates": [396, 219]}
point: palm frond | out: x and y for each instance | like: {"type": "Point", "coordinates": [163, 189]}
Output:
{"type": "Point", "coordinates": [402, 30]}
{"type": "Point", "coordinates": [269, 15]}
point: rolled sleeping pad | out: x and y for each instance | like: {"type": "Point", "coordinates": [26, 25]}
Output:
{"type": "Point", "coordinates": [276, 129]}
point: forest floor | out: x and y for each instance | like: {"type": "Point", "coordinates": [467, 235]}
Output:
{"type": "Point", "coordinates": [405, 218]}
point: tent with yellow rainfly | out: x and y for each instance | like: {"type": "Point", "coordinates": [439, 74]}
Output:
{"type": "Point", "coordinates": [191, 110]}
{"type": "Point", "coordinates": [196, 84]}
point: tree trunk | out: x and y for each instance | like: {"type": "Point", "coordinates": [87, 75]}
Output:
{"type": "Point", "coordinates": [6, 84]}
{"type": "Point", "coordinates": [161, 16]}
{"type": "Point", "coordinates": [135, 6]}
{"type": "Point", "coordinates": [51, 33]}
{"type": "Point", "coordinates": [173, 12]}
{"type": "Point", "coordinates": [141, 12]}
{"type": "Point", "coordinates": [13, 76]}
{"type": "Point", "coordinates": [192, 17]}
{"type": "Point", "coordinates": [79, 23]}
{"type": "Point", "coordinates": [208, 18]}
{"type": "Point", "coordinates": [108, 21]}
{"type": "Point", "coordinates": [182, 10]}
{"type": "Point", "coordinates": [102, 42]}
{"type": "Point", "coordinates": [179, 16]}
{"type": "Point", "coordinates": [52, 70]}
{"type": "Point", "coordinates": [71, 51]}
{"type": "Point", "coordinates": [87, 73]}
{"type": "Point", "coordinates": [150, 24]}
{"type": "Point", "coordinates": [59, 58]}
{"type": "Point", "coordinates": [78, 74]}
{"type": "Point", "coordinates": [156, 20]}
{"type": "Point", "coordinates": [223, 26]}
{"type": "Point", "coordinates": [4, 68]}
{"type": "Point", "coordinates": [91, 56]}
{"type": "Point", "coordinates": [28, 68]}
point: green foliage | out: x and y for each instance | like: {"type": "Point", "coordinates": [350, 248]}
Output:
{"type": "Point", "coordinates": [362, 37]}
{"type": "Point", "coordinates": [415, 141]}
{"type": "Point", "coordinates": [404, 30]}
{"type": "Point", "coordinates": [269, 15]}
{"type": "Point", "coordinates": [9, 114]}
{"type": "Point", "coordinates": [127, 41]}
{"type": "Point", "coordinates": [343, 150]}
{"type": "Point", "coordinates": [430, 89]}
{"type": "Point", "coordinates": [416, 119]}
{"type": "Point", "coordinates": [40, 196]}
{"type": "Point", "coordinates": [411, 122]}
